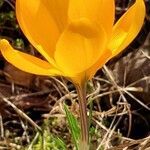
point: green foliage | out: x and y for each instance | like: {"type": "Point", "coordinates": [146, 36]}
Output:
{"type": "Point", "coordinates": [19, 43]}
{"type": "Point", "coordinates": [101, 148]}
{"type": "Point", "coordinates": [9, 28]}
{"type": "Point", "coordinates": [7, 16]}
{"type": "Point", "coordinates": [1, 2]}
{"type": "Point", "coordinates": [73, 126]}
{"type": "Point", "coordinates": [47, 141]}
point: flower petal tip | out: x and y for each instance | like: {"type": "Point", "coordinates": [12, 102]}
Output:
{"type": "Point", "coordinates": [4, 44]}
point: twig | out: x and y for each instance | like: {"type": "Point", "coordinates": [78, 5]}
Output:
{"type": "Point", "coordinates": [1, 126]}
{"type": "Point", "coordinates": [21, 113]}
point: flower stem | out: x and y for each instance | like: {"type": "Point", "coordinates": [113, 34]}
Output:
{"type": "Point", "coordinates": [84, 139]}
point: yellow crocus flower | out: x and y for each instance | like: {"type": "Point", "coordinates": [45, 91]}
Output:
{"type": "Point", "coordinates": [76, 37]}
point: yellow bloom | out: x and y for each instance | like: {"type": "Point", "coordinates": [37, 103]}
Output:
{"type": "Point", "coordinates": [76, 37]}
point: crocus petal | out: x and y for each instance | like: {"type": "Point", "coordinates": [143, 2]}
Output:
{"type": "Point", "coordinates": [26, 62]}
{"type": "Point", "coordinates": [99, 11]}
{"type": "Point", "coordinates": [59, 11]}
{"type": "Point", "coordinates": [99, 64]}
{"type": "Point", "coordinates": [90, 72]}
{"type": "Point", "coordinates": [79, 47]}
{"type": "Point", "coordinates": [127, 27]}
{"type": "Point", "coordinates": [40, 21]}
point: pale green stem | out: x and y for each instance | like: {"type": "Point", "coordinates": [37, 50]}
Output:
{"type": "Point", "coordinates": [84, 139]}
